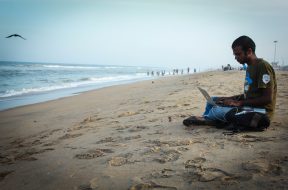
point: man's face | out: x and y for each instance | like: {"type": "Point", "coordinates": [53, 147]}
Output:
{"type": "Point", "coordinates": [240, 55]}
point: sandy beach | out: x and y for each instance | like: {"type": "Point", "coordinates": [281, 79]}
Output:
{"type": "Point", "coordinates": [132, 137]}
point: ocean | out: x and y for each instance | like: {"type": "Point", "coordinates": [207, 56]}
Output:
{"type": "Point", "coordinates": [29, 83]}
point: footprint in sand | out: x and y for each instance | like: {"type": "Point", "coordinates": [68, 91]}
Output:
{"type": "Point", "coordinates": [49, 133]}
{"type": "Point", "coordinates": [4, 174]}
{"type": "Point", "coordinates": [25, 155]}
{"type": "Point", "coordinates": [93, 184]}
{"type": "Point", "coordinates": [213, 174]}
{"type": "Point", "coordinates": [183, 149]}
{"type": "Point", "coordinates": [69, 136]}
{"type": "Point", "coordinates": [18, 143]}
{"type": "Point", "coordinates": [197, 172]}
{"type": "Point", "coordinates": [91, 154]}
{"type": "Point", "coordinates": [34, 140]}
{"type": "Point", "coordinates": [165, 173]}
{"type": "Point", "coordinates": [150, 185]}
{"type": "Point", "coordinates": [77, 128]}
{"type": "Point", "coordinates": [108, 139]}
{"type": "Point", "coordinates": [157, 132]}
{"type": "Point", "coordinates": [87, 120]}
{"type": "Point", "coordinates": [52, 143]}
{"type": "Point", "coordinates": [276, 124]}
{"type": "Point", "coordinates": [171, 143]}
{"type": "Point", "coordinates": [120, 160]}
{"type": "Point", "coordinates": [122, 128]}
{"type": "Point", "coordinates": [168, 156]}
{"type": "Point", "coordinates": [250, 138]}
{"type": "Point", "coordinates": [6, 159]}
{"type": "Point", "coordinates": [161, 152]}
{"type": "Point", "coordinates": [85, 187]}
{"type": "Point", "coordinates": [126, 114]}
{"type": "Point", "coordinates": [137, 129]}
{"type": "Point", "coordinates": [153, 120]}
{"type": "Point", "coordinates": [195, 163]}
{"type": "Point", "coordinates": [263, 167]}
{"type": "Point", "coordinates": [117, 139]}
{"type": "Point", "coordinates": [132, 137]}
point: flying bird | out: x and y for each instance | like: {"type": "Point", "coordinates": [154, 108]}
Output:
{"type": "Point", "coordinates": [15, 35]}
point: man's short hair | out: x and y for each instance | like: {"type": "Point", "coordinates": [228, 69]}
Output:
{"type": "Point", "coordinates": [245, 42]}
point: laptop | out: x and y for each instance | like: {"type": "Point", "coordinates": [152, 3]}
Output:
{"type": "Point", "coordinates": [207, 96]}
{"type": "Point", "coordinates": [245, 108]}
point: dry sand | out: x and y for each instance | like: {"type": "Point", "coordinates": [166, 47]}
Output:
{"type": "Point", "coordinates": [132, 137]}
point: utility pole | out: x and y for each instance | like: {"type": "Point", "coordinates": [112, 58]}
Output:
{"type": "Point", "coordinates": [275, 42]}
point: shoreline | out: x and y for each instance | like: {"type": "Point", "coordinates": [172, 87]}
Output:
{"type": "Point", "coordinates": [41, 82]}
{"type": "Point", "coordinates": [41, 97]}
{"type": "Point", "coordinates": [131, 137]}
{"type": "Point", "coordinates": [12, 102]}
{"type": "Point", "coordinates": [28, 99]}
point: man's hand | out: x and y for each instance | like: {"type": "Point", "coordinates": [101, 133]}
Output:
{"type": "Point", "coordinates": [220, 100]}
{"type": "Point", "coordinates": [230, 102]}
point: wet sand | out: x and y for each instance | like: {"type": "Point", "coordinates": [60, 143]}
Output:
{"type": "Point", "coordinates": [132, 137]}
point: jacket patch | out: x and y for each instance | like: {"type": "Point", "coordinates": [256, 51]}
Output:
{"type": "Point", "coordinates": [266, 78]}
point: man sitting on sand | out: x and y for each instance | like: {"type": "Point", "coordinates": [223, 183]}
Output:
{"type": "Point", "coordinates": [260, 90]}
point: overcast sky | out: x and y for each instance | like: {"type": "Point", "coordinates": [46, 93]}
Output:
{"type": "Point", "coordinates": [172, 33]}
